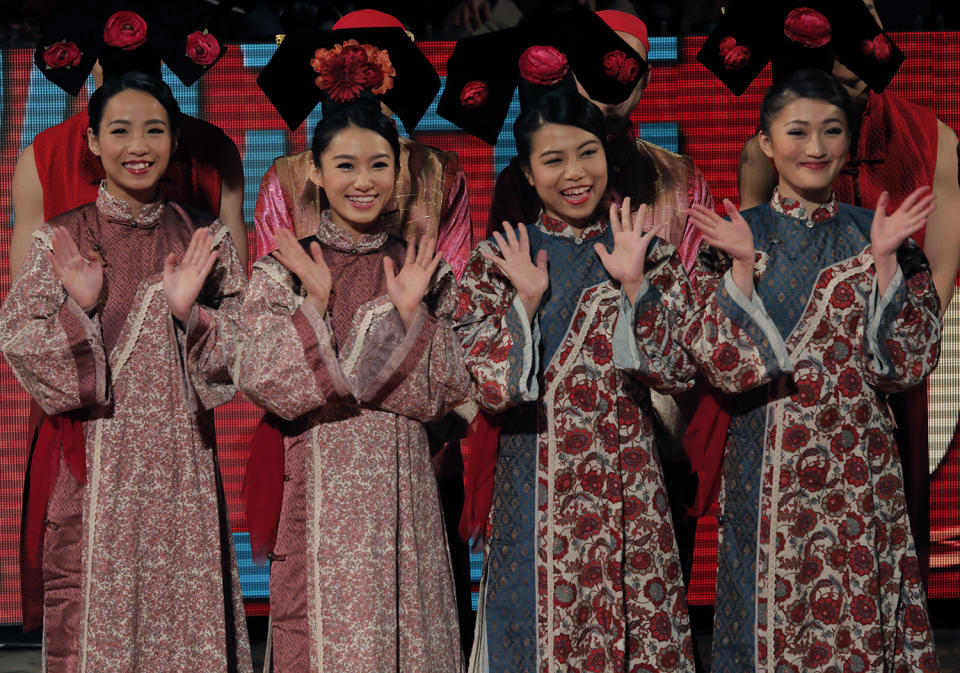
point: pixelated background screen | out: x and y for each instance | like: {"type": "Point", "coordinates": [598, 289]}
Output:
{"type": "Point", "coordinates": [684, 109]}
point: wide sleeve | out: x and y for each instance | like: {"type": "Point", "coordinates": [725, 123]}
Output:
{"type": "Point", "coordinates": [53, 347]}
{"type": "Point", "coordinates": [209, 339]}
{"type": "Point", "coordinates": [453, 237]}
{"type": "Point", "coordinates": [285, 361]}
{"type": "Point", "coordinates": [901, 344]}
{"type": "Point", "coordinates": [416, 372]}
{"type": "Point", "coordinates": [271, 213]}
{"type": "Point", "coordinates": [728, 337]}
{"type": "Point", "coordinates": [501, 348]}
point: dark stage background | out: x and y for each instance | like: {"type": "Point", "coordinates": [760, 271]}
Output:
{"type": "Point", "coordinates": [684, 109]}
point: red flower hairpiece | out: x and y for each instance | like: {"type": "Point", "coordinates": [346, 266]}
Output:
{"type": "Point", "coordinates": [543, 65]}
{"type": "Point", "coordinates": [61, 54]}
{"type": "Point", "coordinates": [473, 94]}
{"type": "Point", "coordinates": [735, 56]}
{"type": "Point", "coordinates": [202, 47]}
{"type": "Point", "coordinates": [125, 30]}
{"type": "Point", "coordinates": [879, 47]}
{"type": "Point", "coordinates": [349, 68]}
{"type": "Point", "coordinates": [807, 27]}
{"type": "Point", "coordinates": [620, 67]}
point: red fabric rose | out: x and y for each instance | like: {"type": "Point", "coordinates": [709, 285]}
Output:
{"type": "Point", "coordinates": [879, 47]}
{"type": "Point", "coordinates": [621, 67]}
{"type": "Point", "coordinates": [807, 27]}
{"type": "Point", "coordinates": [125, 30]}
{"type": "Point", "coordinates": [474, 94]}
{"type": "Point", "coordinates": [202, 47]}
{"type": "Point", "coordinates": [543, 65]}
{"type": "Point", "coordinates": [62, 54]}
{"type": "Point", "coordinates": [735, 56]}
{"type": "Point", "coordinates": [350, 67]}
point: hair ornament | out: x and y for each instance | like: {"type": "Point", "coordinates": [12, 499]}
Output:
{"type": "Point", "coordinates": [344, 71]}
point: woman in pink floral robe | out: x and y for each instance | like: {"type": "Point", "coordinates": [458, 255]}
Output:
{"type": "Point", "coordinates": [127, 346]}
{"type": "Point", "coordinates": [360, 579]}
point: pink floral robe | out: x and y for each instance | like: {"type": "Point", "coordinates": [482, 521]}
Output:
{"type": "Point", "coordinates": [360, 579]}
{"type": "Point", "coordinates": [139, 569]}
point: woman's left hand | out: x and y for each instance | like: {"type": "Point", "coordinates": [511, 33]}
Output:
{"type": "Point", "coordinates": [630, 245]}
{"type": "Point", "coordinates": [406, 289]}
{"type": "Point", "coordinates": [182, 282]}
{"type": "Point", "coordinates": [888, 232]}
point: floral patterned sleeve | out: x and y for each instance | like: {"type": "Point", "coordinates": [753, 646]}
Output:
{"type": "Point", "coordinates": [53, 347]}
{"type": "Point", "coordinates": [209, 346]}
{"type": "Point", "coordinates": [418, 372]}
{"type": "Point", "coordinates": [285, 360]}
{"type": "Point", "coordinates": [728, 337]}
{"type": "Point", "coordinates": [500, 347]}
{"type": "Point", "coordinates": [901, 343]}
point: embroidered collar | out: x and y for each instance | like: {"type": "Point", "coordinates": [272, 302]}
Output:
{"type": "Point", "coordinates": [559, 228]}
{"type": "Point", "coordinates": [338, 238]}
{"type": "Point", "coordinates": [117, 210]}
{"type": "Point", "coordinates": [793, 209]}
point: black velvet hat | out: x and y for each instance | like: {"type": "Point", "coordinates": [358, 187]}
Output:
{"type": "Point", "coordinates": [125, 37]}
{"type": "Point", "coordinates": [795, 35]}
{"type": "Point", "coordinates": [543, 53]}
{"type": "Point", "coordinates": [336, 65]}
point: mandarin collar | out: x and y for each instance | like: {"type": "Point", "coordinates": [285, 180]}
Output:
{"type": "Point", "coordinates": [560, 229]}
{"type": "Point", "coordinates": [116, 210]}
{"type": "Point", "coordinates": [338, 238]}
{"type": "Point", "coordinates": [793, 209]}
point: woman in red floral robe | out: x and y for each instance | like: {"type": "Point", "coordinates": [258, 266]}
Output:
{"type": "Point", "coordinates": [817, 567]}
{"type": "Point", "coordinates": [562, 339]}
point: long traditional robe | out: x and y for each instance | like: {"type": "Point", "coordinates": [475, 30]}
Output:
{"type": "Point", "coordinates": [581, 571]}
{"type": "Point", "coordinates": [138, 567]}
{"type": "Point", "coordinates": [817, 567]}
{"type": "Point", "coordinates": [360, 579]}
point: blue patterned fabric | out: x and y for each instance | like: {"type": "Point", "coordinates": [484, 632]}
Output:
{"type": "Point", "coordinates": [797, 254]}
{"type": "Point", "coordinates": [510, 602]}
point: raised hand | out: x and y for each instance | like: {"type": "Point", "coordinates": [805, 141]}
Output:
{"type": "Point", "coordinates": [888, 232]}
{"type": "Point", "coordinates": [407, 288]}
{"type": "Point", "coordinates": [733, 236]}
{"type": "Point", "coordinates": [80, 274]}
{"type": "Point", "coordinates": [529, 279]}
{"type": "Point", "coordinates": [182, 282]}
{"type": "Point", "coordinates": [313, 272]}
{"type": "Point", "coordinates": [630, 244]}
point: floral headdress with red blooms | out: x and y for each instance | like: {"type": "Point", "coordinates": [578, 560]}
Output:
{"type": "Point", "coordinates": [350, 68]}
{"type": "Point", "coordinates": [543, 53]}
{"type": "Point", "coordinates": [798, 34]}
{"type": "Point", "coordinates": [343, 66]}
{"type": "Point", "coordinates": [124, 36]}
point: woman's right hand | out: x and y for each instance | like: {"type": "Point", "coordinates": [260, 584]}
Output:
{"type": "Point", "coordinates": [312, 271]}
{"type": "Point", "coordinates": [530, 280]}
{"type": "Point", "coordinates": [733, 236]}
{"type": "Point", "coordinates": [80, 274]}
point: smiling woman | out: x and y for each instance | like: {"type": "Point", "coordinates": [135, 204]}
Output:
{"type": "Point", "coordinates": [121, 326]}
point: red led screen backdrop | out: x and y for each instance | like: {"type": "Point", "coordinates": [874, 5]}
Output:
{"type": "Point", "coordinates": [684, 109]}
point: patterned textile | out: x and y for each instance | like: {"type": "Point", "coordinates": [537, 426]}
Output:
{"type": "Point", "coordinates": [430, 196]}
{"type": "Point", "coordinates": [360, 517]}
{"type": "Point", "coordinates": [70, 173]}
{"type": "Point", "coordinates": [149, 528]}
{"type": "Point", "coordinates": [817, 566]}
{"type": "Point", "coordinates": [582, 571]}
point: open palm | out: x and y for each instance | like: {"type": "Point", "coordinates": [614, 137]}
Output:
{"type": "Point", "coordinates": [630, 244]}
{"type": "Point", "coordinates": [80, 274]}
{"type": "Point", "coordinates": [406, 288]}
